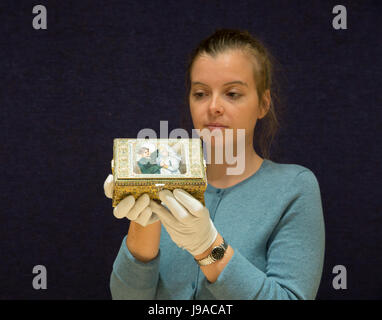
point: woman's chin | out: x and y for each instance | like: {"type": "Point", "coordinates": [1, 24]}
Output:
{"type": "Point", "coordinates": [214, 142]}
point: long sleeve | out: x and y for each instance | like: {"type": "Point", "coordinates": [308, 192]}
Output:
{"type": "Point", "coordinates": [294, 257]}
{"type": "Point", "coordinates": [147, 167]}
{"type": "Point", "coordinates": [132, 279]}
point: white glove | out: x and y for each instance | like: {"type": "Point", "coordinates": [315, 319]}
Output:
{"type": "Point", "coordinates": [187, 221]}
{"type": "Point", "coordinates": [138, 211]}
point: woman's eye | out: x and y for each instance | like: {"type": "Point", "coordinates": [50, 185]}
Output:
{"type": "Point", "coordinates": [234, 95]}
{"type": "Point", "coordinates": [198, 95]}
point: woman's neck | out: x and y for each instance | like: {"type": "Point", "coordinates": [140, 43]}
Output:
{"type": "Point", "coordinates": [217, 173]}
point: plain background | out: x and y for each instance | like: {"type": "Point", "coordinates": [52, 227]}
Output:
{"type": "Point", "coordinates": [106, 69]}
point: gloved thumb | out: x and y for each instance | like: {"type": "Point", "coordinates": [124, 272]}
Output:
{"type": "Point", "coordinates": [108, 186]}
{"type": "Point", "coordinates": [163, 214]}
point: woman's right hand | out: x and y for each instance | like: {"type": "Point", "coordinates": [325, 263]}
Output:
{"type": "Point", "coordinates": [143, 238]}
{"type": "Point", "coordinates": [138, 210]}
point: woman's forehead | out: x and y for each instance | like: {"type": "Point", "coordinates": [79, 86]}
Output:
{"type": "Point", "coordinates": [225, 67]}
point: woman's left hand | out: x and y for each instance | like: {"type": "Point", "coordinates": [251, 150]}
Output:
{"type": "Point", "coordinates": [187, 221]}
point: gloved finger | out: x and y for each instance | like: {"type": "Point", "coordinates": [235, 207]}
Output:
{"type": "Point", "coordinates": [194, 206]}
{"type": "Point", "coordinates": [142, 202]}
{"type": "Point", "coordinates": [164, 205]}
{"type": "Point", "coordinates": [163, 214]}
{"type": "Point", "coordinates": [144, 217]}
{"type": "Point", "coordinates": [178, 211]}
{"type": "Point", "coordinates": [108, 186]}
{"type": "Point", "coordinates": [123, 208]}
{"type": "Point", "coordinates": [153, 218]}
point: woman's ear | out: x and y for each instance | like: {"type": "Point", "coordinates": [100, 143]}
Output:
{"type": "Point", "coordinates": [265, 104]}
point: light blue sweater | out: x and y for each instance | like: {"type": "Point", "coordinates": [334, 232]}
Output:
{"type": "Point", "coordinates": [274, 222]}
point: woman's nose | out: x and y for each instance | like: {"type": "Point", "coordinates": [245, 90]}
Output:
{"type": "Point", "coordinates": [216, 106]}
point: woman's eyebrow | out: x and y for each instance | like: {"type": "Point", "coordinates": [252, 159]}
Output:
{"type": "Point", "coordinates": [231, 82]}
{"type": "Point", "coordinates": [238, 82]}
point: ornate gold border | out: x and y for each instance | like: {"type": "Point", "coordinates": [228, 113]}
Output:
{"type": "Point", "coordinates": [193, 181]}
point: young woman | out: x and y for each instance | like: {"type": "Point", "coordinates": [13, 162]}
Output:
{"type": "Point", "coordinates": [261, 234]}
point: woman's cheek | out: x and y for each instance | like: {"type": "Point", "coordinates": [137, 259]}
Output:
{"type": "Point", "coordinates": [196, 119]}
{"type": "Point", "coordinates": [197, 114]}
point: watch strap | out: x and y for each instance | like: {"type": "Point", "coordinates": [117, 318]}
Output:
{"type": "Point", "coordinates": [210, 259]}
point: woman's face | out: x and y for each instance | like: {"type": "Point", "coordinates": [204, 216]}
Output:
{"type": "Point", "coordinates": [146, 153]}
{"type": "Point", "coordinates": [223, 91]}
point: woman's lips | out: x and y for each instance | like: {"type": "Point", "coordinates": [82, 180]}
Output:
{"type": "Point", "coordinates": [215, 127]}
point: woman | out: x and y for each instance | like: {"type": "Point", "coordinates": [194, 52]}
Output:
{"type": "Point", "coordinates": [261, 234]}
{"type": "Point", "coordinates": [168, 160]}
{"type": "Point", "coordinates": [145, 162]}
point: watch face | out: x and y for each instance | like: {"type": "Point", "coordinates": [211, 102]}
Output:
{"type": "Point", "coordinates": [218, 253]}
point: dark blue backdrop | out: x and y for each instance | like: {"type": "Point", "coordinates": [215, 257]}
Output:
{"type": "Point", "coordinates": [106, 69]}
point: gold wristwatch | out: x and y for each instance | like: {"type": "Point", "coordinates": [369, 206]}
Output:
{"type": "Point", "coordinates": [216, 254]}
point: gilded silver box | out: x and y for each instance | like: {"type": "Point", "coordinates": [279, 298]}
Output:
{"type": "Point", "coordinates": [150, 165]}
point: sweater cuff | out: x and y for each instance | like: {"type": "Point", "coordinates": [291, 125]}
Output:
{"type": "Point", "coordinates": [239, 280]}
{"type": "Point", "coordinates": [134, 273]}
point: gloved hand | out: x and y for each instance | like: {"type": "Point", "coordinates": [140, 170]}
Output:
{"type": "Point", "coordinates": [187, 221]}
{"type": "Point", "coordinates": [138, 211]}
